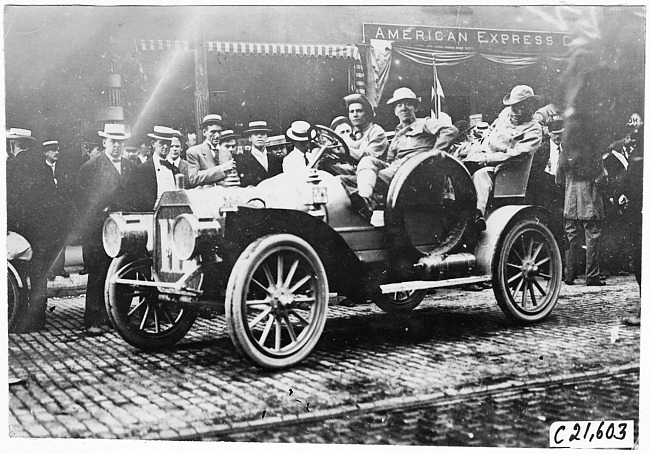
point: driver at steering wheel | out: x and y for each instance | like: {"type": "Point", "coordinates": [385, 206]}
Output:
{"type": "Point", "coordinates": [367, 138]}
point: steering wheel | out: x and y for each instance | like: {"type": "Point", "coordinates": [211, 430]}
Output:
{"type": "Point", "coordinates": [331, 145]}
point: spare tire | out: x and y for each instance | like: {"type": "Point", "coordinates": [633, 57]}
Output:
{"type": "Point", "coordinates": [430, 203]}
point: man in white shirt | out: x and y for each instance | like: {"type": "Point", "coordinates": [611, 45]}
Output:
{"type": "Point", "coordinates": [300, 134]}
{"type": "Point", "coordinates": [155, 176]}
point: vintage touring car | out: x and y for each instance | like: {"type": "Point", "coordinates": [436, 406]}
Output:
{"type": "Point", "coordinates": [270, 256]}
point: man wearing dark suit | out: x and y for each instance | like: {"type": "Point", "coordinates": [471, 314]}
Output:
{"type": "Point", "coordinates": [257, 164]}
{"type": "Point", "coordinates": [102, 186]}
{"type": "Point", "coordinates": [155, 175]}
{"type": "Point", "coordinates": [174, 157]}
{"type": "Point", "coordinates": [44, 207]}
{"type": "Point", "coordinates": [207, 165]}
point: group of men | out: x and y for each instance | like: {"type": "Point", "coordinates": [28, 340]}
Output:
{"type": "Point", "coordinates": [110, 182]}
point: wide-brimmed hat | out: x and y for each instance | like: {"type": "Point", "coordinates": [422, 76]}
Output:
{"type": "Point", "coordinates": [163, 133]}
{"type": "Point", "coordinates": [274, 141]}
{"type": "Point", "coordinates": [227, 135]}
{"type": "Point", "coordinates": [257, 126]}
{"type": "Point", "coordinates": [361, 99]}
{"type": "Point", "coordinates": [401, 94]}
{"type": "Point", "coordinates": [114, 131]}
{"type": "Point", "coordinates": [301, 131]}
{"type": "Point", "coordinates": [211, 119]}
{"type": "Point", "coordinates": [48, 144]}
{"type": "Point", "coordinates": [19, 134]}
{"type": "Point", "coordinates": [520, 93]}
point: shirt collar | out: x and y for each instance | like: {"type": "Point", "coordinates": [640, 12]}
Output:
{"type": "Point", "coordinates": [258, 153]}
{"type": "Point", "coordinates": [111, 158]}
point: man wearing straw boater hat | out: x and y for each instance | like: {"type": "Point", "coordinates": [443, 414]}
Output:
{"type": "Point", "coordinates": [257, 164]}
{"type": "Point", "coordinates": [207, 164]}
{"type": "Point", "coordinates": [301, 135]}
{"type": "Point", "coordinates": [102, 183]}
{"type": "Point", "coordinates": [155, 175]}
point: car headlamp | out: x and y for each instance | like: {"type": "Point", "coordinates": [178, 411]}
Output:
{"type": "Point", "coordinates": [188, 232]}
{"type": "Point", "coordinates": [124, 233]}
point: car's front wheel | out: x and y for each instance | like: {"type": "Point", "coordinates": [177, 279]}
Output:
{"type": "Point", "coordinates": [276, 301]}
{"type": "Point", "coordinates": [527, 271]}
{"type": "Point", "coordinates": [136, 312]}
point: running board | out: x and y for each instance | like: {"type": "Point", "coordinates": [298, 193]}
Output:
{"type": "Point", "coordinates": [421, 285]}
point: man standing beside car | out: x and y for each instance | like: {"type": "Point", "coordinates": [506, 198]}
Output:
{"type": "Point", "coordinates": [102, 186]}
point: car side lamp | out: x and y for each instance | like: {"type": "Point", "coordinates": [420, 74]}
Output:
{"type": "Point", "coordinates": [317, 198]}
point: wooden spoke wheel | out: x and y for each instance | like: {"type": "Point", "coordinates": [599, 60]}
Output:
{"type": "Point", "coordinates": [136, 312]}
{"type": "Point", "coordinates": [404, 301]}
{"type": "Point", "coordinates": [527, 272]}
{"type": "Point", "coordinates": [276, 301]}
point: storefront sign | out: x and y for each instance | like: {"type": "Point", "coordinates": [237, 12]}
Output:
{"type": "Point", "coordinates": [474, 38]}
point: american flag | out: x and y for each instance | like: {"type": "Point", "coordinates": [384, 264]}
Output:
{"type": "Point", "coordinates": [436, 92]}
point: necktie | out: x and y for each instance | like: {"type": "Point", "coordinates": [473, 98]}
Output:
{"type": "Point", "coordinates": [56, 183]}
{"type": "Point", "coordinates": [170, 166]}
{"type": "Point", "coordinates": [116, 161]}
{"type": "Point", "coordinates": [215, 155]}
{"type": "Point", "coordinates": [306, 159]}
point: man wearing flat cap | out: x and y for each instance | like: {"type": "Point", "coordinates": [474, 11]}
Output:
{"type": "Point", "coordinates": [156, 175]}
{"type": "Point", "coordinates": [207, 165]}
{"type": "Point", "coordinates": [257, 164]}
{"type": "Point", "coordinates": [367, 138]}
{"type": "Point", "coordinates": [102, 185]}
{"type": "Point", "coordinates": [514, 135]}
{"type": "Point", "coordinates": [412, 136]}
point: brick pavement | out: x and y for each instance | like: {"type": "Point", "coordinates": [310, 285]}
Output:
{"type": "Point", "coordinates": [103, 388]}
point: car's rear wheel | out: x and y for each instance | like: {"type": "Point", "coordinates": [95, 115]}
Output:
{"type": "Point", "coordinates": [527, 272]}
{"type": "Point", "coordinates": [276, 301]}
{"type": "Point", "coordinates": [136, 312]}
{"type": "Point", "coordinates": [403, 301]}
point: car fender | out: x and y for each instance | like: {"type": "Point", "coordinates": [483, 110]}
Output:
{"type": "Point", "coordinates": [498, 224]}
{"type": "Point", "coordinates": [346, 273]}
{"type": "Point", "coordinates": [14, 272]}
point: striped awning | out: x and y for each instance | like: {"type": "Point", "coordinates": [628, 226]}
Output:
{"type": "Point", "coordinates": [299, 50]}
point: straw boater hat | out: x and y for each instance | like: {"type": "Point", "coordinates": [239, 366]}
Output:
{"type": "Point", "coordinates": [401, 94]}
{"type": "Point", "coordinates": [227, 135]}
{"type": "Point", "coordinates": [257, 126]}
{"type": "Point", "coordinates": [301, 131]}
{"type": "Point", "coordinates": [360, 99]}
{"type": "Point", "coordinates": [114, 131]}
{"type": "Point", "coordinates": [51, 144]}
{"type": "Point", "coordinates": [162, 133]}
{"type": "Point", "coordinates": [211, 119]}
{"type": "Point", "coordinates": [20, 134]}
{"type": "Point", "coordinates": [339, 121]}
{"type": "Point", "coordinates": [520, 93]}
{"type": "Point", "coordinates": [274, 141]}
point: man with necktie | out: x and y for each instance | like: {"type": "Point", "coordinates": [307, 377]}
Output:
{"type": "Point", "coordinates": [301, 135]}
{"type": "Point", "coordinates": [207, 165]}
{"type": "Point", "coordinates": [257, 164]}
{"type": "Point", "coordinates": [156, 175]}
{"type": "Point", "coordinates": [102, 185]}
